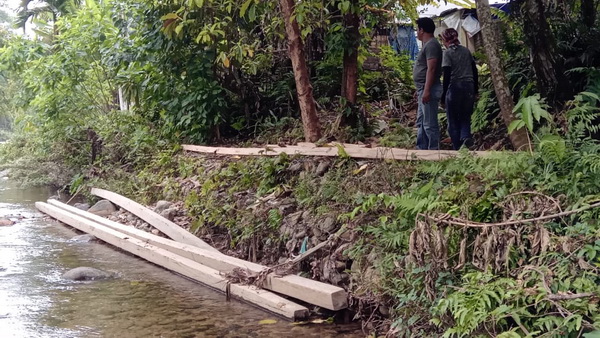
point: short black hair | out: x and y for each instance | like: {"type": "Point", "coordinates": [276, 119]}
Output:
{"type": "Point", "coordinates": [427, 24]}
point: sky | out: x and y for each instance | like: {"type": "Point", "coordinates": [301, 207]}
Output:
{"type": "Point", "coordinates": [12, 4]}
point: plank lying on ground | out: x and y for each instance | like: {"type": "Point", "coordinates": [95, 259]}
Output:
{"type": "Point", "coordinates": [355, 152]}
{"type": "Point", "coordinates": [310, 291]}
{"type": "Point", "coordinates": [332, 144]}
{"type": "Point", "coordinates": [167, 227]}
{"type": "Point", "coordinates": [171, 261]}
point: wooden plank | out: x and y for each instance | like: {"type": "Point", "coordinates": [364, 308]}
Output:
{"type": "Point", "coordinates": [355, 152]}
{"type": "Point", "coordinates": [310, 291]}
{"type": "Point", "coordinates": [331, 144]}
{"type": "Point", "coordinates": [167, 227]}
{"type": "Point", "coordinates": [174, 262]}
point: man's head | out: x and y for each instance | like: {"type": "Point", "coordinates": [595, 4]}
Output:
{"type": "Point", "coordinates": [425, 27]}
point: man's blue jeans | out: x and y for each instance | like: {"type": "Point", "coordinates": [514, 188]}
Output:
{"type": "Point", "coordinates": [428, 132]}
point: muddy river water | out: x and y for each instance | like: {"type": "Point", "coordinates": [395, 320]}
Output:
{"type": "Point", "coordinates": [145, 301]}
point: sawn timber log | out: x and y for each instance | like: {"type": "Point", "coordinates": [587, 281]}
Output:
{"type": "Point", "coordinates": [310, 291]}
{"type": "Point", "coordinates": [167, 227]}
{"type": "Point", "coordinates": [335, 151]}
{"type": "Point", "coordinates": [181, 265]}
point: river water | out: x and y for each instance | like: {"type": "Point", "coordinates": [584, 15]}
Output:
{"type": "Point", "coordinates": [145, 301]}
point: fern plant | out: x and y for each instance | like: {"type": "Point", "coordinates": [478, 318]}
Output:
{"type": "Point", "coordinates": [583, 115]}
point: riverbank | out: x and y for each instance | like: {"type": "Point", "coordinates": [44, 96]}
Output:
{"type": "Point", "coordinates": [407, 269]}
{"type": "Point", "coordinates": [269, 209]}
{"type": "Point", "coordinates": [144, 300]}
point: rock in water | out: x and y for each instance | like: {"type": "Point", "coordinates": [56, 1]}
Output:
{"type": "Point", "coordinates": [86, 238]}
{"type": "Point", "coordinates": [6, 222]}
{"type": "Point", "coordinates": [103, 208]}
{"type": "Point", "coordinates": [84, 273]}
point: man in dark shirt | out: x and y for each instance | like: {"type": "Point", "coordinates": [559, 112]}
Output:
{"type": "Point", "coordinates": [426, 74]}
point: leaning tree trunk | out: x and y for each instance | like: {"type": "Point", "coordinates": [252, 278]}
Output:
{"type": "Point", "coordinates": [551, 80]}
{"type": "Point", "coordinates": [308, 106]}
{"type": "Point", "coordinates": [588, 12]}
{"type": "Point", "coordinates": [518, 138]}
{"type": "Point", "coordinates": [350, 67]}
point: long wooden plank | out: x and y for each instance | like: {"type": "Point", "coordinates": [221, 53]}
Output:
{"type": "Point", "coordinates": [355, 152]}
{"type": "Point", "coordinates": [310, 291]}
{"type": "Point", "coordinates": [174, 262]}
{"type": "Point", "coordinates": [167, 227]}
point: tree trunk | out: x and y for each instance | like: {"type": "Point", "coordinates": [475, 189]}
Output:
{"type": "Point", "coordinates": [588, 12]}
{"type": "Point", "coordinates": [351, 116]}
{"type": "Point", "coordinates": [350, 61]}
{"type": "Point", "coordinates": [518, 138]}
{"type": "Point", "coordinates": [551, 80]}
{"type": "Point", "coordinates": [308, 106]}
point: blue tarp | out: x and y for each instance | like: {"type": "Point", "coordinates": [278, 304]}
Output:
{"type": "Point", "coordinates": [503, 7]}
{"type": "Point", "coordinates": [404, 41]}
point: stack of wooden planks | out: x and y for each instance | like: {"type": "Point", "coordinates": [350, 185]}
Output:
{"type": "Point", "coordinates": [186, 254]}
{"type": "Point", "coordinates": [334, 150]}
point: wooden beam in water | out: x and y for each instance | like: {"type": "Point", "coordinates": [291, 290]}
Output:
{"type": "Point", "coordinates": [174, 262]}
{"type": "Point", "coordinates": [313, 292]}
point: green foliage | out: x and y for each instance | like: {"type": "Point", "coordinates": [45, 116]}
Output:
{"type": "Point", "coordinates": [482, 301]}
{"type": "Point", "coordinates": [393, 83]}
{"type": "Point", "coordinates": [398, 137]}
{"type": "Point", "coordinates": [582, 112]}
{"type": "Point", "coordinates": [529, 110]}
{"type": "Point", "coordinates": [438, 300]}
{"type": "Point", "coordinates": [486, 107]}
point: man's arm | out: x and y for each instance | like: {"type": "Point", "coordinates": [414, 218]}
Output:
{"type": "Point", "coordinates": [429, 78]}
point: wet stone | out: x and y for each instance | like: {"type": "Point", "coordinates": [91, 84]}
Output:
{"type": "Point", "coordinates": [6, 222]}
{"type": "Point", "coordinates": [86, 238]}
{"type": "Point", "coordinates": [87, 274]}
